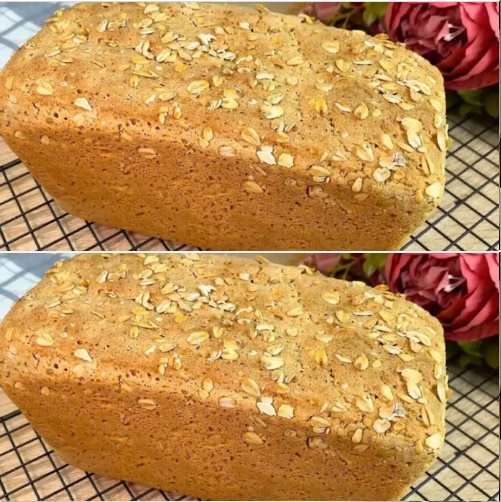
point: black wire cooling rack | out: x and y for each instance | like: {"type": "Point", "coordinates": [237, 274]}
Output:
{"type": "Point", "coordinates": [468, 218]}
{"type": "Point", "coordinates": [467, 469]}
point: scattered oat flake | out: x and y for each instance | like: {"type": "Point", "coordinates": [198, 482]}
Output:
{"type": "Point", "coordinates": [381, 425]}
{"type": "Point", "coordinates": [83, 354]}
{"type": "Point", "coordinates": [9, 334]}
{"type": "Point", "coordinates": [381, 174]}
{"type": "Point", "coordinates": [272, 112]}
{"type": "Point", "coordinates": [321, 106]}
{"type": "Point", "coordinates": [365, 403]}
{"type": "Point", "coordinates": [411, 124]}
{"type": "Point", "coordinates": [286, 160]}
{"type": "Point", "coordinates": [343, 359]}
{"type": "Point", "coordinates": [316, 443]}
{"type": "Point", "coordinates": [442, 395]}
{"type": "Point", "coordinates": [357, 436]}
{"type": "Point", "coordinates": [343, 316]}
{"type": "Point", "coordinates": [296, 60]}
{"type": "Point", "coordinates": [147, 404]}
{"type": "Point", "coordinates": [252, 438]}
{"type": "Point", "coordinates": [387, 392]}
{"type": "Point", "coordinates": [226, 151]}
{"type": "Point", "coordinates": [362, 363]}
{"type": "Point", "coordinates": [83, 103]}
{"type": "Point", "coordinates": [251, 136]}
{"type": "Point", "coordinates": [413, 390]}
{"type": "Point", "coordinates": [44, 340]}
{"type": "Point", "coordinates": [266, 408]}
{"type": "Point", "coordinates": [331, 47]}
{"type": "Point", "coordinates": [197, 86]}
{"type": "Point", "coordinates": [362, 112]}
{"type": "Point", "coordinates": [295, 312]}
{"type": "Point", "coordinates": [434, 190]}
{"type": "Point", "coordinates": [253, 187]}
{"type": "Point", "coordinates": [434, 442]}
{"type": "Point", "coordinates": [226, 402]}
{"type": "Point", "coordinates": [197, 337]}
{"type": "Point", "coordinates": [409, 374]}
{"type": "Point", "coordinates": [342, 65]}
{"type": "Point", "coordinates": [441, 141]}
{"type": "Point", "coordinates": [319, 422]}
{"type": "Point", "coordinates": [265, 155]}
{"type": "Point", "coordinates": [272, 363]}
{"type": "Point", "coordinates": [285, 411]}
{"type": "Point", "coordinates": [321, 357]}
{"type": "Point", "coordinates": [44, 88]}
{"type": "Point", "coordinates": [332, 298]}
{"type": "Point", "coordinates": [251, 387]}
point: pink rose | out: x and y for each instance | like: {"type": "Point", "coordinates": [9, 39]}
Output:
{"type": "Point", "coordinates": [460, 38]}
{"type": "Point", "coordinates": [461, 290]}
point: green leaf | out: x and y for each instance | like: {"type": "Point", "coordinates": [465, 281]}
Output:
{"type": "Point", "coordinates": [474, 348]}
{"type": "Point", "coordinates": [472, 97]}
{"type": "Point", "coordinates": [369, 268]}
{"type": "Point", "coordinates": [369, 17]}
{"type": "Point", "coordinates": [491, 352]}
{"type": "Point", "coordinates": [376, 10]}
{"type": "Point", "coordinates": [374, 262]}
{"type": "Point", "coordinates": [376, 259]}
{"type": "Point", "coordinates": [346, 5]}
{"type": "Point", "coordinates": [491, 102]}
{"type": "Point", "coordinates": [466, 359]}
{"type": "Point", "coordinates": [467, 108]}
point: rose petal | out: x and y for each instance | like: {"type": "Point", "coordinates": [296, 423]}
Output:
{"type": "Point", "coordinates": [493, 13]}
{"type": "Point", "coordinates": [462, 290]}
{"type": "Point", "coordinates": [493, 265]}
{"type": "Point", "coordinates": [470, 58]}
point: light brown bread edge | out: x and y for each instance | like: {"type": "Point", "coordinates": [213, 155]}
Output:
{"type": "Point", "coordinates": [166, 127]}
{"type": "Point", "coordinates": [117, 377]}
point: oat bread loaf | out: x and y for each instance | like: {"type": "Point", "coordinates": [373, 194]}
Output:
{"type": "Point", "coordinates": [225, 378]}
{"type": "Point", "coordinates": [228, 128]}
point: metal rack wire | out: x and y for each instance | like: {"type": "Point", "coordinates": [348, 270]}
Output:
{"type": "Point", "coordinates": [468, 218]}
{"type": "Point", "coordinates": [468, 468]}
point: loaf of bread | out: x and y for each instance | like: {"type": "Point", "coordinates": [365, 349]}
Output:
{"type": "Point", "coordinates": [228, 128]}
{"type": "Point", "coordinates": [225, 378]}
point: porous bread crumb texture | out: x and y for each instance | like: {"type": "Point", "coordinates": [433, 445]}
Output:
{"type": "Point", "coordinates": [225, 378]}
{"type": "Point", "coordinates": [228, 128]}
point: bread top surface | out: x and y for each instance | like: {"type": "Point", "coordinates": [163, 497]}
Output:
{"type": "Point", "coordinates": [271, 340]}
{"type": "Point", "coordinates": [281, 91]}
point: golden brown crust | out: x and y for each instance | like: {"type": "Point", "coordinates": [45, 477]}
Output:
{"type": "Point", "coordinates": [286, 372]}
{"type": "Point", "coordinates": [285, 134]}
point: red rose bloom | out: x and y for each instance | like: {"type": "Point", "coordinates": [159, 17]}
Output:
{"type": "Point", "coordinates": [460, 38]}
{"type": "Point", "coordinates": [461, 290]}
